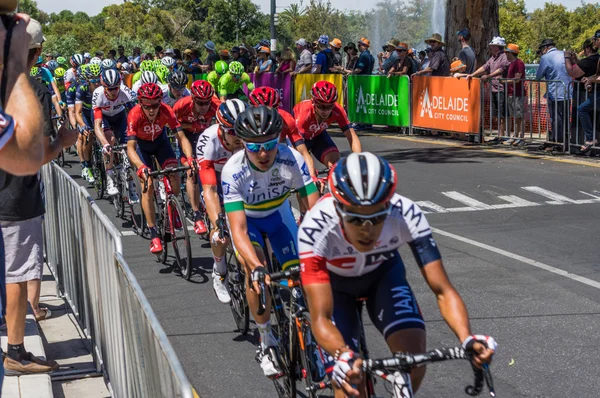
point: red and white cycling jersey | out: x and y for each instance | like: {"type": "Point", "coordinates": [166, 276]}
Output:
{"type": "Point", "coordinates": [212, 154]}
{"type": "Point", "coordinates": [140, 127]}
{"type": "Point", "coordinates": [306, 120]}
{"type": "Point", "coordinates": [290, 130]}
{"type": "Point", "coordinates": [184, 110]}
{"type": "Point", "coordinates": [103, 106]}
{"type": "Point", "coordinates": [323, 247]}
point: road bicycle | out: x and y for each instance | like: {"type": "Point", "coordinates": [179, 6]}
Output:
{"type": "Point", "coordinates": [170, 219]}
{"type": "Point", "coordinates": [128, 186]}
{"type": "Point", "coordinates": [98, 169]}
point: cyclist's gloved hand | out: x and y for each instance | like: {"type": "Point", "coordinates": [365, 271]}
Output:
{"type": "Point", "coordinates": [482, 347]}
{"type": "Point", "coordinates": [141, 172]}
{"type": "Point", "coordinates": [192, 162]}
{"type": "Point", "coordinates": [215, 239]}
{"type": "Point", "coordinates": [257, 274]}
{"type": "Point", "coordinates": [345, 372]}
{"type": "Point", "coordinates": [106, 149]}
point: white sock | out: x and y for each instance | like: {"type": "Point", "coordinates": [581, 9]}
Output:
{"type": "Point", "coordinates": [220, 265]}
{"type": "Point", "coordinates": [266, 337]}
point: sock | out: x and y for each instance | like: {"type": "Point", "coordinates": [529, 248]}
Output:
{"type": "Point", "coordinates": [16, 351]}
{"type": "Point", "coordinates": [153, 233]}
{"type": "Point", "coordinates": [220, 266]}
{"type": "Point", "coordinates": [197, 215]}
{"type": "Point", "coordinates": [85, 163]}
{"type": "Point", "coordinates": [83, 166]}
{"type": "Point", "coordinates": [266, 337]}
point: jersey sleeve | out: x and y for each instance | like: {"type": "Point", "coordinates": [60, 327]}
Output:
{"type": "Point", "coordinates": [205, 151]}
{"type": "Point", "coordinates": [71, 95]}
{"type": "Point", "coordinates": [47, 76]}
{"type": "Point", "coordinates": [96, 105]}
{"type": "Point", "coordinates": [131, 96]}
{"type": "Point", "coordinates": [232, 197]}
{"type": "Point", "coordinates": [290, 129]}
{"type": "Point", "coordinates": [223, 82]}
{"type": "Point", "coordinates": [79, 94]}
{"type": "Point", "coordinates": [313, 259]}
{"type": "Point", "coordinates": [246, 79]}
{"type": "Point", "coordinates": [302, 181]}
{"type": "Point", "coordinates": [341, 118]}
{"type": "Point", "coordinates": [132, 122]}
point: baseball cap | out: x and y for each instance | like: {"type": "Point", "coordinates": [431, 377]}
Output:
{"type": "Point", "coordinates": [365, 42]}
{"type": "Point", "coordinates": [235, 50]}
{"type": "Point", "coordinates": [187, 51]}
{"type": "Point", "coordinates": [34, 28]}
{"type": "Point", "coordinates": [324, 39]}
{"type": "Point", "coordinates": [464, 32]}
{"type": "Point", "coordinates": [169, 51]}
{"type": "Point", "coordinates": [301, 42]}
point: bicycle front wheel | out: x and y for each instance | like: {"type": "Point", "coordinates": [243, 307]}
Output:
{"type": "Point", "coordinates": [99, 172]}
{"type": "Point", "coordinates": [312, 358]}
{"type": "Point", "coordinates": [180, 237]}
{"type": "Point", "coordinates": [236, 281]}
{"type": "Point", "coordinates": [134, 199]}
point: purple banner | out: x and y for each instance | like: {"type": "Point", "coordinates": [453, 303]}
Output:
{"type": "Point", "coordinates": [281, 82]}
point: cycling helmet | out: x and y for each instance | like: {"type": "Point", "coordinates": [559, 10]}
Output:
{"type": "Point", "coordinates": [93, 71]}
{"type": "Point", "coordinates": [76, 60]}
{"type": "Point", "coordinates": [203, 90]}
{"type": "Point", "coordinates": [256, 122]}
{"type": "Point", "coordinates": [221, 67]}
{"type": "Point", "coordinates": [52, 65]}
{"type": "Point", "coordinates": [236, 68]}
{"type": "Point", "coordinates": [264, 43]}
{"type": "Point", "coordinates": [265, 96]}
{"type": "Point", "coordinates": [148, 77]}
{"type": "Point", "coordinates": [95, 61]}
{"type": "Point", "coordinates": [36, 72]}
{"type": "Point", "coordinates": [162, 72]}
{"type": "Point", "coordinates": [59, 73]}
{"type": "Point", "coordinates": [177, 78]}
{"type": "Point", "coordinates": [149, 92]}
{"type": "Point", "coordinates": [146, 65]}
{"type": "Point", "coordinates": [362, 179]}
{"type": "Point", "coordinates": [80, 73]}
{"type": "Point", "coordinates": [168, 62]}
{"type": "Point", "coordinates": [61, 60]}
{"type": "Point", "coordinates": [324, 92]}
{"type": "Point", "coordinates": [156, 63]}
{"type": "Point", "coordinates": [108, 64]}
{"type": "Point", "coordinates": [110, 78]}
{"type": "Point", "coordinates": [228, 112]}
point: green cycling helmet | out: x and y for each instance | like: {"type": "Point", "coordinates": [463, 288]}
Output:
{"type": "Point", "coordinates": [93, 70]}
{"type": "Point", "coordinates": [163, 73]}
{"type": "Point", "coordinates": [221, 67]}
{"type": "Point", "coordinates": [156, 63]}
{"type": "Point", "coordinates": [35, 72]}
{"type": "Point", "coordinates": [61, 60]}
{"type": "Point", "coordinates": [236, 68]}
{"type": "Point", "coordinates": [59, 73]}
{"type": "Point", "coordinates": [147, 65]}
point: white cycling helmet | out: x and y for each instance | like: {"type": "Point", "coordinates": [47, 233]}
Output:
{"type": "Point", "coordinates": [108, 64]}
{"type": "Point", "coordinates": [149, 77]}
{"type": "Point", "coordinates": [168, 62]}
{"type": "Point", "coordinates": [95, 61]}
{"type": "Point", "coordinates": [228, 112]}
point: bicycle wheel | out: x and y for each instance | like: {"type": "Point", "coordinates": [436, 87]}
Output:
{"type": "Point", "coordinates": [162, 225]}
{"type": "Point", "coordinates": [286, 342]}
{"type": "Point", "coordinates": [134, 198]}
{"type": "Point", "coordinates": [117, 200]}
{"type": "Point", "coordinates": [99, 172]}
{"type": "Point", "coordinates": [180, 237]}
{"type": "Point", "coordinates": [236, 281]}
{"type": "Point", "coordinates": [312, 357]}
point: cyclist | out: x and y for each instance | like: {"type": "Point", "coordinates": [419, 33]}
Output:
{"type": "Point", "coordinates": [96, 61]}
{"type": "Point", "coordinates": [70, 74]}
{"type": "Point", "coordinates": [146, 77]}
{"type": "Point", "coordinates": [348, 246]}
{"type": "Point", "coordinates": [147, 136]}
{"type": "Point", "coordinates": [195, 113]}
{"type": "Point", "coordinates": [62, 62]}
{"type": "Point", "coordinates": [50, 83]}
{"type": "Point", "coordinates": [314, 116]}
{"type": "Point", "coordinates": [108, 64]}
{"type": "Point", "coordinates": [269, 96]}
{"type": "Point", "coordinates": [59, 77]}
{"type": "Point", "coordinates": [176, 88]}
{"type": "Point", "coordinates": [163, 74]}
{"type": "Point", "coordinates": [256, 183]}
{"type": "Point", "coordinates": [169, 63]}
{"type": "Point", "coordinates": [145, 66]}
{"type": "Point", "coordinates": [215, 146]}
{"type": "Point", "coordinates": [231, 83]}
{"type": "Point", "coordinates": [110, 103]}
{"type": "Point", "coordinates": [215, 75]}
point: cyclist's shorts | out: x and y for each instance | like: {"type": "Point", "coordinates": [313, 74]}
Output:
{"type": "Point", "coordinates": [51, 90]}
{"type": "Point", "coordinates": [118, 125]}
{"type": "Point", "coordinates": [391, 304]}
{"type": "Point", "coordinates": [160, 148]}
{"type": "Point", "coordinates": [321, 145]}
{"type": "Point", "coordinates": [282, 231]}
{"type": "Point", "coordinates": [193, 139]}
{"type": "Point", "coordinates": [88, 117]}
{"type": "Point", "coordinates": [239, 94]}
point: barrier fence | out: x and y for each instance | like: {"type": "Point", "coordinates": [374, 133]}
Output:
{"type": "Point", "coordinates": [84, 252]}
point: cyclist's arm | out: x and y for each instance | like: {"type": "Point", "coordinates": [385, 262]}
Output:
{"type": "Point", "coordinates": [307, 158]}
{"type": "Point", "coordinates": [320, 301]}
{"type": "Point", "coordinates": [211, 198]}
{"type": "Point", "coordinates": [353, 140]}
{"type": "Point", "coordinates": [302, 181]}
{"type": "Point", "coordinates": [56, 103]}
{"type": "Point", "coordinates": [79, 115]}
{"type": "Point", "coordinates": [132, 153]}
{"type": "Point", "coordinates": [98, 130]}
{"type": "Point", "coordinates": [247, 81]}
{"type": "Point", "coordinates": [72, 111]}
{"type": "Point", "coordinates": [239, 232]}
{"type": "Point", "coordinates": [55, 88]}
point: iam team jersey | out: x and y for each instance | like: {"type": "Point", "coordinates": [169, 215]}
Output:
{"type": "Point", "coordinates": [184, 110]}
{"type": "Point", "coordinates": [212, 155]}
{"type": "Point", "coordinates": [324, 249]}
{"type": "Point", "coordinates": [306, 120]}
{"type": "Point", "coordinates": [103, 106]}
{"type": "Point", "coordinates": [140, 127]}
{"type": "Point", "coordinates": [260, 193]}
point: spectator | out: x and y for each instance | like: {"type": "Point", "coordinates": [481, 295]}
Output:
{"type": "Point", "coordinates": [403, 65]}
{"type": "Point", "coordinates": [426, 61]}
{"type": "Point", "coordinates": [457, 67]}
{"type": "Point", "coordinates": [466, 54]}
{"type": "Point", "coordinates": [304, 64]}
{"type": "Point", "coordinates": [552, 68]}
{"type": "Point", "coordinates": [423, 56]}
{"type": "Point", "coordinates": [99, 54]}
{"type": "Point", "coordinates": [351, 58]}
{"type": "Point", "coordinates": [438, 61]}
{"type": "Point", "coordinates": [224, 56]}
{"type": "Point", "coordinates": [586, 110]}
{"type": "Point", "coordinates": [314, 48]}
{"type": "Point", "coordinates": [496, 66]}
{"type": "Point", "coordinates": [137, 58]}
{"type": "Point", "coordinates": [177, 54]}
{"type": "Point", "coordinates": [324, 60]}
{"type": "Point", "coordinates": [158, 52]}
{"type": "Point", "coordinates": [21, 210]}
{"type": "Point", "coordinates": [169, 52]}
{"type": "Point", "coordinates": [366, 62]}
{"type": "Point", "coordinates": [516, 93]}
{"type": "Point", "coordinates": [122, 58]}
{"type": "Point", "coordinates": [336, 46]}
{"type": "Point", "coordinates": [212, 56]}
{"type": "Point", "coordinates": [191, 61]}
{"type": "Point", "coordinates": [86, 58]}
{"type": "Point", "coordinates": [244, 58]}
{"type": "Point", "coordinates": [389, 58]}
{"type": "Point", "coordinates": [264, 63]}
{"type": "Point", "coordinates": [49, 56]}
{"type": "Point", "coordinates": [288, 63]}
{"type": "Point", "coordinates": [112, 54]}
{"type": "Point", "coordinates": [412, 56]}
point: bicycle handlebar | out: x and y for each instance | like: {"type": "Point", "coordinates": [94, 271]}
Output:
{"type": "Point", "coordinates": [166, 171]}
{"type": "Point", "coordinates": [222, 226]}
{"type": "Point", "coordinates": [290, 273]}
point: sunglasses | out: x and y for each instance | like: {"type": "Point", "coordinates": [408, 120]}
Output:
{"type": "Point", "coordinates": [202, 103]}
{"type": "Point", "coordinates": [177, 88]}
{"type": "Point", "coordinates": [361, 219]}
{"type": "Point", "coordinates": [236, 76]}
{"type": "Point", "coordinates": [151, 106]}
{"type": "Point", "coordinates": [112, 88]}
{"type": "Point", "coordinates": [95, 81]}
{"type": "Point", "coordinates": [258, 146]}
{"type": "Point", "coordinates": [324, 107]}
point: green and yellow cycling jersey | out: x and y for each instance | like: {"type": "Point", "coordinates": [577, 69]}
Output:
{"type": "Point", "coordinates": [137, 76]}
{"type": "Point", "coordinates": [229, 86]}
{"type": "Point", "coordinates": [213, 78]}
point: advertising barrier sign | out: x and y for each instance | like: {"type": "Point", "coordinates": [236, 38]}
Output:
{"type": "Point", "coordinates": [379, 100]}
{"type": "Point", "coordinates": [446, 103]}
{"type": "Point", "coordinates": [280, 82]}
{"type": "Point", "coordinates": [194, 77]}
{"type": "Point", "coordinates": [305, 81]}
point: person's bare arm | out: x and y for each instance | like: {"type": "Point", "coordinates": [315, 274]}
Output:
{"type": "Point", "coordinates": [239, 232]}
{"type": "Point", "coordinates": [353, 140]}
{"type": "Point", "coordinates": [100, 132]}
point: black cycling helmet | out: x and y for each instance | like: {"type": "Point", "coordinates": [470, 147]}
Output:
{"type": "Point", "coordinates": [256, 122]}
{"type": "Point", "coordinates": [177, 78]}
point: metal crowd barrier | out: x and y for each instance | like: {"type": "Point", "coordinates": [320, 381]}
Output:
{"type": "Point", "coordinates": [581, 94]}
{"type": "Point", "coordinates": [84, 252]}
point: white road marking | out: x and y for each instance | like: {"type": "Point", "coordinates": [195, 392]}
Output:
{"type": "Point", "coordinates": [431, 206]}
{"type": "Point", "coordinates": [537, 264]}
{"type": "Point", "coordinates": [467, 200]}
{"type": "Point", "coordinates": [556, 198]}
{"type": "Point", "coordinates": [515, 201]}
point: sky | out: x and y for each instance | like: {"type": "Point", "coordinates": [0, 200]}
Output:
{"type": "Point", "coordinates": [94, 7]}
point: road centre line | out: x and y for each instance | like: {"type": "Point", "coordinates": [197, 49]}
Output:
{"type": "Point", "coordinates": [514, 256]}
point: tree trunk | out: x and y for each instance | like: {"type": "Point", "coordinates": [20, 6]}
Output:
{"type": "Point", "coordinates": [480, 16]}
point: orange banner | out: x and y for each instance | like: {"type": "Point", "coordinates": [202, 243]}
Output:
{"type": "Point", "coordinates": [446, 103]}
{"type": "Point", "coordinates": [127, 79]}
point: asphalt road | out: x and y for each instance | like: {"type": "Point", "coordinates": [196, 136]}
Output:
{"type": "Point", "coordinates": [508, 228]}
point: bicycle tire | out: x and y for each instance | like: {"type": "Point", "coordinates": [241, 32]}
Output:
{"type": "Point", "coordinates": [236, 281]}
{"type": "Point", "coordinates": [117, 200]}
{"type": "Point", "coordinates": [183, 254]}
{"type": "Point", "coordinates": [162, 225]}
{"type": "Point", "coordinates": [99, 172]}
{"type": "Point", "coordinates": [138, 219]}
{"type": "Point", "coordinates": [311, 373]}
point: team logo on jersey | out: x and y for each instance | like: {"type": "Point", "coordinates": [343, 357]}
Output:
{"type": "Point", "coordinates": [394, 240]}
{"type": "Point", "coordinates": [275, 174]}
{"type": "Point", "coordinates": [304, 169]}
{"type": "Point", "coordinates": [253, 186]}
{"type": "Point", "coordinates": [226, 187]}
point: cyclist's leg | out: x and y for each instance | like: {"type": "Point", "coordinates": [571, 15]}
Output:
{"type": "Point", "coordinates": [166, 158]}
{"type": "Point", "coordinates": [145, 150]}
{"type": "Point", "coordinates": [283, 235]}
{"type": "Point", "coordinates": [395, 312]}
{"type": "Point", "coordinates": [110, 137]}
{"type": "Point", "coordinates": [192, 185]}
{"type": "Point", "coordinates": [86, 147]}
{"type": "Point", "coordinates": [327, 152]}
{"type": "Point", "coordinates": [252, 297]}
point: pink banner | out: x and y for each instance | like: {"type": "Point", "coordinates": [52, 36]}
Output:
{"type": "Point", "coordinates": [281, 82]}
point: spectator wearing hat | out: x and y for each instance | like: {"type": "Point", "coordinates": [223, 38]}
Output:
{"type": "Point", "coordinates": [403, 65]}
{"type": "Point", "coordinates": [351, 58]}
{"type": "Point", "coordinates": [438, 61]}
{"type": "Point", "coordinates": [366, 61]}
{"type": "Point", "coordinates": [224, 55]}
{"type": "Point", "coordinates": [99, 54]}
{"type": "Point", "coordinates": [191, 61]}
{"type": "Point", "coordinates": [516, 94]}
{"type": "Point", "coordinates": [466, 54]}
{"type": "Point", "coordinates": [264, 63]}
{"type": "Point", "coordinates": [245, 56]}
{"type": "Point", "coordinates": [552, 68]}
{"type": "Point", "coordinates": [212, 56]}
{"type": "Point", "coordinates": [169, 52]}
{"type": "Point", "coordinates": [304, 64]}
{"type": "Point", "coordinates": [324, 60]}
{"type": "Point", "coordinates": [457, 66]}
{"type": "Point", "coordinates": [336, 46]}
{"type": "Point", "coordinates": [288, 61]}
{"type": "Point", "coordinates": [586, 110]}
{"type": "Point", "coordinates": [389, 57]}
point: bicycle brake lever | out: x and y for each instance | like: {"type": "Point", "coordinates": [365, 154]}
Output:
{"type": "Point", "coordinates": [487, 375]}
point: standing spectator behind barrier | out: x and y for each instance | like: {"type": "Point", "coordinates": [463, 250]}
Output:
{"type": "Point", "coordinates": [351, 58]}
{"type": "Point", "coordinates": [586, 110]}
{"type": "Point", "coordinates": [516, 94]}
{"type": "Point", "coordinates": [324, 60]}
{"type": "Point", "coordinates": [212, 56]}
{"type": "Point", "coordinates": [495, 67]}
{"type": "Point", "coordinates": [389, 58]}
{"type": "Point", "coordinates": [552, 67]}
{"type": "Point", "coordinates": [264, 62]}
{"type": "Point", "coordinates": [438, 61]}
{"type": "Point", "coordinates": [403, 65]}
{"type": "Point", "coordinates": [288, 63]}
{"type": "Point", "coordinates": [336, 46]}
{"type": "Point", "coordinates": [366, 62]}
{"type": "Point", "coordinates": [466, 54]}
{"type": "Point", "coordinates": [304, 64]}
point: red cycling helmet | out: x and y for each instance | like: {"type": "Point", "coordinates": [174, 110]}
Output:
{"type": "Point", "coordinates": [324, 92]}
{"type": "Point", "coordinates": [201, 89]}
{"type": "Point", "coordinates": [150, 92]}
{"type": "Point", "coordinates": [265, 96]}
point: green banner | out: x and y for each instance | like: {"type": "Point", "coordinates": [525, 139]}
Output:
{"type": "Point", "coordinates": [379, 100]}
